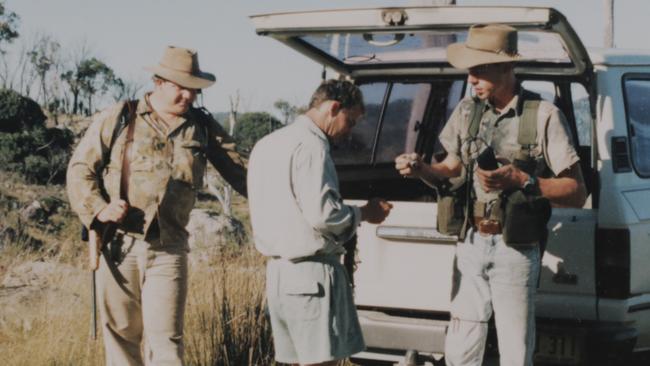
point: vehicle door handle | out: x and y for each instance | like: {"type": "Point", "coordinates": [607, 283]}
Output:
{"type": "Point", "coordinates": [414, 233]}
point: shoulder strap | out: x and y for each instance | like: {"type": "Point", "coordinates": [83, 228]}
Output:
{"type": "Point", "coordinates": [528, 119]}
{"type": "Point", "coordinates": [475, 117]}
{"type": "Point", "coordinates": [125, 117]}
{"type": "Point", "coordinates": [126, 166]}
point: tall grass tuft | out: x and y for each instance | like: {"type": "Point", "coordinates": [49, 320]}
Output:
{"type": "Point", "coordinates": [226, 312]}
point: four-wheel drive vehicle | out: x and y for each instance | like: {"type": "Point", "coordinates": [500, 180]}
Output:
{"type": "Point", "coordinates": [593, 302]}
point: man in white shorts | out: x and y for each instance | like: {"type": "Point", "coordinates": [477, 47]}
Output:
{"type": "Point", "coordinates": [301, 223]}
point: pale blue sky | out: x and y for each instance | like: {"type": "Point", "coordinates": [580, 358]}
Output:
{"type": "Point", "coordinates": [130, 34]}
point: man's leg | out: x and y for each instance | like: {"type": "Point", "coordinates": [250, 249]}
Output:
{"type": "Point", "coordinates": [285, 351]}
{"type": "Point", "coordinates": [470, 305]}
{"type": "Point", "coordinates": [513, 280]}
{"type": "Point", "coordinates": [163, 305]}
{"type": "Point", "coordinates": [118, 289]}
{"type": "Point", "coordinates": [316, 311]}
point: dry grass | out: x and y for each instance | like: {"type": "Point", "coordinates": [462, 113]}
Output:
{"type": "Point", "coordinates": [224, 322]}
{"type": "Point", "coordinates": [52, 328]}
{"type": "Point", "coordinates": [49, 323]}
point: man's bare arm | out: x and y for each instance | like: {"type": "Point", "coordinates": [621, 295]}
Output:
{"type": "Point", "coordinates": [567, 189]}
{"type": "Point", "coordinates": [411, 165]}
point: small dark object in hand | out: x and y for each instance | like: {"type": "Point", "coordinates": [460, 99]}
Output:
{"type": "Point", "coordinates": [486, 160]}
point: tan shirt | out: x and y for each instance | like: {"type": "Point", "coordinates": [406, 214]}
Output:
{"type": "Point", "coordinates": [500, 131]}
{"type": "Point", "coordinates": [166, 169]}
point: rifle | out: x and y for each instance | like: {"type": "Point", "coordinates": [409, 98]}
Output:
{"type": "Point", "coordinates": [94, 249]}
{"type": "Point", "coordinates": [96, 239]}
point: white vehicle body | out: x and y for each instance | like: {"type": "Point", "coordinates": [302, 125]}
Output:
{"type": "Point", "coordinates": [594, 290]}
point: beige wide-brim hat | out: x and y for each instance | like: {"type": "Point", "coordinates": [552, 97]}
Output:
{"type": "Point", "coordinates": [181, 66]}
{"type": "Point", "coordinates": [485, 44]}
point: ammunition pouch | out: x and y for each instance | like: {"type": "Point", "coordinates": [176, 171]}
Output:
{"type": "Point", "coordinates": [451, 211]}
{"type": "Point", "coordinates": [450, 215]}
{"type": "Point", "coordinates": [525, 218]}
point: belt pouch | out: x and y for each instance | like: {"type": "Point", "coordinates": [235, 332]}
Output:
{"type": "Point", "coordinates": [450, 215]}
{"type": "Point", "coordinates": [525, 218]}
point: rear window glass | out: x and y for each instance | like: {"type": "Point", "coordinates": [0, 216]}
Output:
{"type": "Point", "coordinates": [402, 119]}
{"type": "Point", "coordinates": [357, 148]}
{"type": "Point", "coordinates": [582, 113]}
{"type": "Point", "coordinates": [393, 127]}
{"type": "Point", "coordinates": [637, 105]}
{"type": "Point", "coordinates": [425, 46]}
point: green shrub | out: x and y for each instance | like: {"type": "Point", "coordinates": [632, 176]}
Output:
{"type": "Point", "coordinates": [41, 155]}
{"type": "Point", "coordinates": [18, 112]}
{"type": "Point", "coordinates": [251, 127]}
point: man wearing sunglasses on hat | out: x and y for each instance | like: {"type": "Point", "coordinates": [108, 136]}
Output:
{"type": "Point", "coordinates": [535, 165]}
{"type": "Point", "coordinates": [133, 180]}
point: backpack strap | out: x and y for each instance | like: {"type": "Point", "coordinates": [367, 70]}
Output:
{"type": "Point", "coordinates": [528, 120]}
{"type": "Point", "coordinates": [125, 117]}
{"type": "Point", "coordinates": [127, 114]}
{"type": "Point", "coordinates": [475, 117]}
{"type": "Point", "coordinates": [126, 162]}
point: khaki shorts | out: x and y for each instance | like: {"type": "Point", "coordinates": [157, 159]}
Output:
{"type": "Point", "coordinates": [313, 317]}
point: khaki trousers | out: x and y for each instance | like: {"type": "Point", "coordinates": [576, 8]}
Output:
{"type": "Point", "coordinates": [141, 304]}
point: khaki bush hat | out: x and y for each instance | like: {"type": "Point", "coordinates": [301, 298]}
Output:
{"type": "Point", "coordinates": [485, 44]}
{"type": "Point", "coordinates": [181, 66]}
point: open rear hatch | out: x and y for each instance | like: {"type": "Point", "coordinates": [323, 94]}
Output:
{"type": "Point", "coordinates": [412, 40]}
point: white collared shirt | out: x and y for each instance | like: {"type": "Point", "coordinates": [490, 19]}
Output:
{"type": "Point", "coordinates": [293, 194]}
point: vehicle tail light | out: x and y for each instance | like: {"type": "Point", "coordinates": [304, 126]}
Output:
{"type": "Point", "coordinates": [620, 155]}
{"type": "Point", "coordinates": [613, 263]}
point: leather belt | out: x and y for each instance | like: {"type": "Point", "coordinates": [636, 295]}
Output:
{"type": "Point", "coordinates": [487, 226]}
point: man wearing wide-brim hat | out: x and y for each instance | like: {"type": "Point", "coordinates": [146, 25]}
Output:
{"type": "Point", "coordinates": [499, 250]}
{"type": "Point", "coordinates": [133, 180]}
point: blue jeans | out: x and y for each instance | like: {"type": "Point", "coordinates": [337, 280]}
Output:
{"type": "Point", "coordinates": [491, 276]}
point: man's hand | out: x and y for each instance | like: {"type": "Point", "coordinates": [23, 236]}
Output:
{"type": "Point", "coordinates": [409, 165]}
{"type": "Point", "coordinates": [375, 211]}
{"type": "Point", "coordinates": [114, 212]}
{"type": "Point", "coordinates": [501, 179]}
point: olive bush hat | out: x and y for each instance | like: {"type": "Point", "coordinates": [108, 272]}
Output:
{"type": "Point", "coordinates": [181, 66]}
{"type": "Point", "coordinates": [485, 44]}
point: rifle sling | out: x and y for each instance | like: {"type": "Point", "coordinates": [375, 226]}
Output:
{"type": "Point", "coordinates": [128, 120]}
{"type": "Point", "coordinates": [126, 156]}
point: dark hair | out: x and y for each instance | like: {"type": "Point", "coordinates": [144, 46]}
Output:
{"type": "Point", "coordinates": [342, 91]}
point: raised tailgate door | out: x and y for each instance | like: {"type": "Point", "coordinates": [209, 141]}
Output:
{"type": "Point", "coordinates": [404, 262]}
{"type": "Point", "coordinates": [380, 41]}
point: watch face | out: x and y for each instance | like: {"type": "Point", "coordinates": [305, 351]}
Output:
{"type": "Point", "coordinates": [530, 186]}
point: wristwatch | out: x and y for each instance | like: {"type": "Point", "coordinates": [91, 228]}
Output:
{"type": "Point", "coordinates": [530, 186]}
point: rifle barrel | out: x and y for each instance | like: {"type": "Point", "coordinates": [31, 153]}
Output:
{"type": "Point", "coordinates": [93, 310]}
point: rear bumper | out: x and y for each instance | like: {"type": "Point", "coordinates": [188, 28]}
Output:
{"type": "Point", "coordinates": [391, 336]}
{"type": "Point", "coordinates": [402, 333]}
